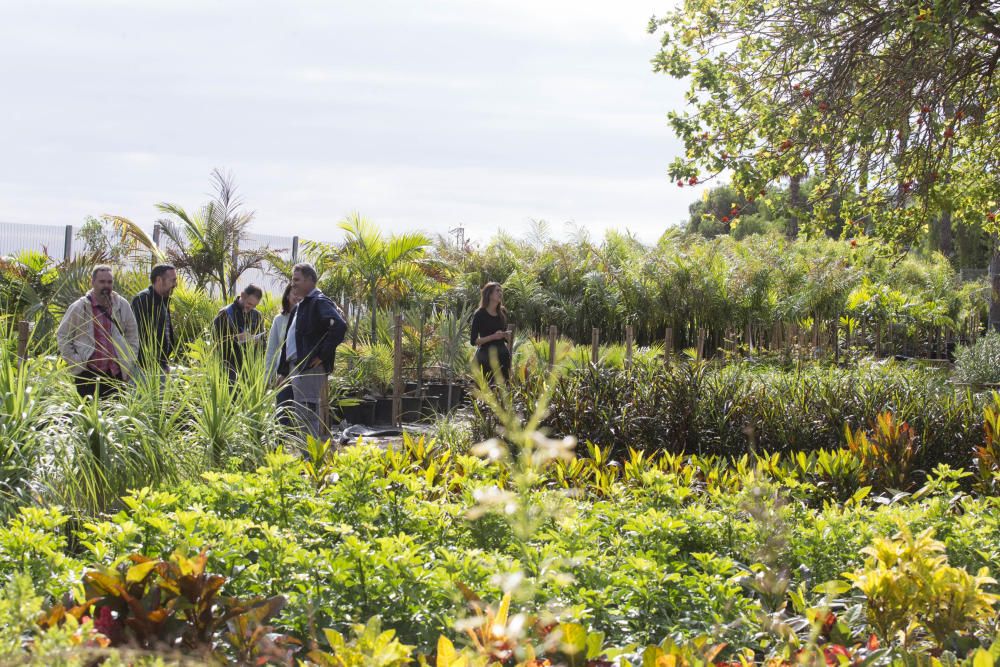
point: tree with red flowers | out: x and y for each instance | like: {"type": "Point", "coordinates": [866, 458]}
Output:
{"type": "Point", "coordinates": [891, 104]}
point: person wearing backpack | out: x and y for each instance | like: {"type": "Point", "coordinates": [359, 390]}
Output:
{"type": "Point", "coordinates": [315, 328]}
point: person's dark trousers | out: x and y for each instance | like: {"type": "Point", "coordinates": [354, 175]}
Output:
{"type": "Point", "coordinates": [100, 385]}
{"type": "Point", "coordinates": [286, 403]}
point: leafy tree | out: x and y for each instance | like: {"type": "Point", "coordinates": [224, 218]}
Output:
{"type": "Point", "coordinates": [892, 103]}
{"type": "Point", "coordinates": [719, 212]}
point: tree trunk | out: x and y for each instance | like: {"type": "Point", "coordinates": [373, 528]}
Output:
{"type": "Point", "coordinates": [946, 242]}
{"type": "Point", "coordinates": [372, 304]}
{"type": "Point", "coordinates": [795, 200]}
{"type": "Point", "coordinates": [357, 326]}
{"type": "Point", "coordinates": [420, 357]}
{"type": "Point", "coordinates": [995, 287]}
{"type": "Point", "coordinates": [904, 141]}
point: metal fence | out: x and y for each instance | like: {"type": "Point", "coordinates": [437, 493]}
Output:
{"type": "Point", "coordinates": [267, 279]}
{"type": "Point", "coordinates": [60, 243]}
{"type": "Point", "coordinates": [50, 239]}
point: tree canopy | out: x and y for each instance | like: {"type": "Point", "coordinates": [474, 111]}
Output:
{"type": "Point", "coordinates": [891, 103]}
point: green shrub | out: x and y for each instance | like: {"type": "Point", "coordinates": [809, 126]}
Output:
{"type": "Point", "coordinates": [697, 407]}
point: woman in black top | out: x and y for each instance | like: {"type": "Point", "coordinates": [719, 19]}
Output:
{"type": "Point", "coordinates": [489, 331]}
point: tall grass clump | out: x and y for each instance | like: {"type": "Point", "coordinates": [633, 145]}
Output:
{"type": "Point", "coordinates": [160, 429]}
{"type": "Point", "coordinates": [28, 400]}
{"type": "Point", "coordinates": [979, 363]}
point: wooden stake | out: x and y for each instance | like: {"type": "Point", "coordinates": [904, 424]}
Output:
{"type": "Point", "coordinates": [668, 344]}
{"type": "Point", "coordinates": [835, 339]}
{"type": "Point", "coordinates": [397, 371]}
{"type": "Point", "coordinates": [22, 342]}
{"type": "Point", "coordinates": [701, 343]}
{"type": "Point", "coordinates": [324, 406]}
{"type": "Point", "coordinates": [595, 341]}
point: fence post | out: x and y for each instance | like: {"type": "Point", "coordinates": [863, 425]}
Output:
{"type": "Point", "coordinates": [397, 371]}
{"type": "Point", "coordinates": [22, 342]}
{"type": "Point", "coordinates": [595, 340]}
{"type": "Point", "coordinates": [295, 250]}
{"type": "Point", "coordinates": [628, 345]}
{"type": "Point", "coordinates": [668, 344]}
{"type": "Point", "coordinates": [68, 244]}
{"type": "Point", "coordinates": [553, 333]}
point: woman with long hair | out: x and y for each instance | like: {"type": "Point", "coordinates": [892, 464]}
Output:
{"type": "Point", "coordinates": [489, 332]}
{"type": "Point", "coordinates": [272, 358]}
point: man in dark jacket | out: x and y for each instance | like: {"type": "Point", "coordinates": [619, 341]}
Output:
{"type": "Point", "coordinates": [237, 326]}
{"type": "Point", "coordinates": [151, 308]}
{"type": "Point", "coordinates": [315, 328]}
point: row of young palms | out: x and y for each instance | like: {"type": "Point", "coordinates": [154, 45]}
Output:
{"type": "Point", "coordinates": [685, 281]}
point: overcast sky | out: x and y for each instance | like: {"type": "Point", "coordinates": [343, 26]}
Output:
{"type": "Point", "coordinates": [418, 115]}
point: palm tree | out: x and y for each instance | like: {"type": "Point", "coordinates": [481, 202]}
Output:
{"type": "Point", "coordinates": [34, 287]}
{"type": "Point", "coordinates": [207, 246]}
{"type": "Point", "coordinates": [384, 266]}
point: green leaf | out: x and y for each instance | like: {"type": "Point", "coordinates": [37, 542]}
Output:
{"type": "Point", "coordinates": [137, 573]}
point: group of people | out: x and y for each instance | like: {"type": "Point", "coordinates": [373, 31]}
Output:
{"type": "Point", "coordinates": [107, 341]}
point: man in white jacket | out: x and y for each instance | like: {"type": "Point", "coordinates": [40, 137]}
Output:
{"type": "Point", "coordinates": [99, 338]}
